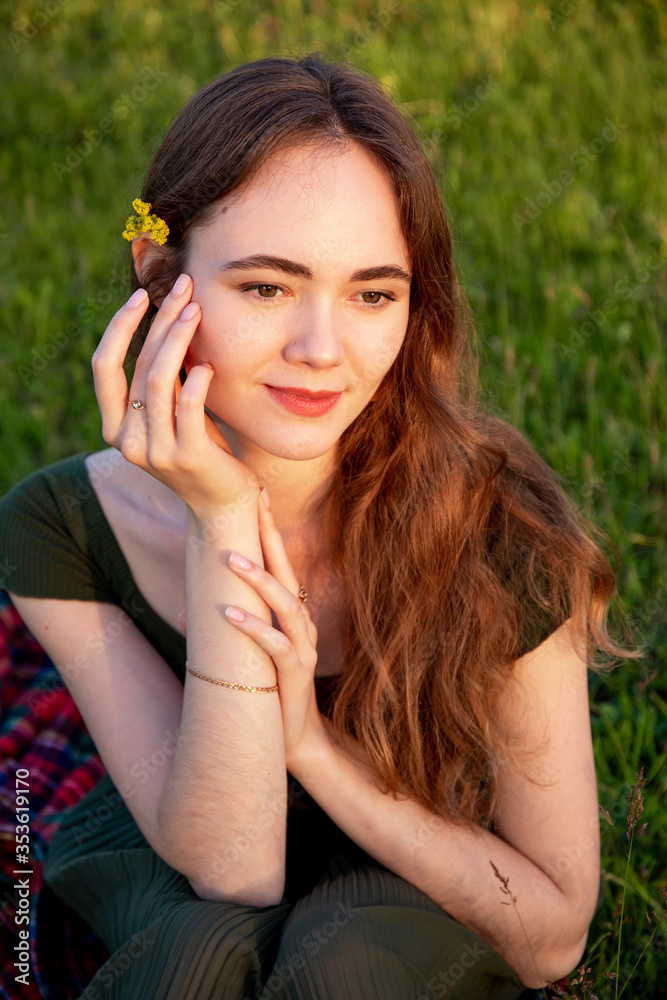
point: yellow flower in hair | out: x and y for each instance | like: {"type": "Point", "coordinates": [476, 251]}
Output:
{"type": "Point", "coordinates": [143, 224]}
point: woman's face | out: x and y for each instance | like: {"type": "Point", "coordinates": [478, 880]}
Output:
{"type": "Point", "coordinates": [315, 322]}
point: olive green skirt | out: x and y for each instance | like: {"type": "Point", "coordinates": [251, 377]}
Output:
{"type": "Point", "coordinates": [347, 928]}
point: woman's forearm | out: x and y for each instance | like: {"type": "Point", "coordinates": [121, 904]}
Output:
{"type": "Point", "coordinates": [542, 935]}
{"type": "Point", "coordinates": [225, 802]}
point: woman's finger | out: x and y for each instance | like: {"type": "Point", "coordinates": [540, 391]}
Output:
{"type": "Point", "coordinates": [289, 662]}
{"type": "Point", "coordinates": [275, 555]}
{"type": "Point", "coordinates": [290, 613]}
{"type": "Point", "coordinates": [168, 313]}
{"type": "Point", "coordinates": [194, 427]}
{"type": "Point", "coordinates": [276, 559]}
{"type": "Point", "coordinates": [161, 380]}
{"type": "Point", "coordinates": [107, 363]}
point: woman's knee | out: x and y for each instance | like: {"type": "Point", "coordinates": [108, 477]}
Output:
{"type": "Point", "coordinates": [306, 934]}
{"type": "Point", "coordinates": [342, 953]}
{"type": "Point", "coordinates": [194, 949]}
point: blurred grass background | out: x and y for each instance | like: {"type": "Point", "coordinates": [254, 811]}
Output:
{"type": "Point", "coordinates": [549, 124]}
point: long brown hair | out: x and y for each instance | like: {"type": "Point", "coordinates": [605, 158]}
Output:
{"type": "Point", "coordinates": [458, 548]}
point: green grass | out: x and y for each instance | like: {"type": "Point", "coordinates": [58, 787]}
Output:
{"type": "Point", "coordinates": [569, 293]}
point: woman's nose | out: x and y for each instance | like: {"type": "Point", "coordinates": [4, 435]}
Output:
{"type": "Point", "coordinates": [315, 336]}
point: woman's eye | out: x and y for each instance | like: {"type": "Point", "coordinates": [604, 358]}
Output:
{"type": "Point", "coordinates": [380, 299]}
{"type": "Point", "coordinates": [261, 289]}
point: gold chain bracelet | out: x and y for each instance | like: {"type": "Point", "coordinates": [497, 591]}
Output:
{"type": "Point", "coordinates": [230, 684]}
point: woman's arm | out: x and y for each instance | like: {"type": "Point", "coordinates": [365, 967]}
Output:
{"type": "Point", "coordinates": [548, 837]}
{"type": "Point", "coordinates": [198, 770]}
{"type": "Point", "coordinates": [228, 782]}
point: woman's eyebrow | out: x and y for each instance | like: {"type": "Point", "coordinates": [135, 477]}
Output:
{"type": "Point", "coordinates": [297, 270]}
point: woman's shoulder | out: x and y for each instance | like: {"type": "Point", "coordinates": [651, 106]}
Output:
{"type": "Point", "coordinates": [60, 488]}
{"type": "Point", "coordinates": [130, 496]}
{"type": "Point", "coordinates": [51, 526]}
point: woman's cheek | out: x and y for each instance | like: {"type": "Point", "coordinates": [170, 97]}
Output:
{"type": "Point", "coordinates": [234, 330]}
{"type": "Point", "coordinates": [377, 364]}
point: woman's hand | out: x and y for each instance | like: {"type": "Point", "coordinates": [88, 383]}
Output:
{"type": "Point", "coordinates": [171, 436]}
{"type": "Point", "coordinates": [293, 649]}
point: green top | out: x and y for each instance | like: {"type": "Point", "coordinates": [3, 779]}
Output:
{"type": "Point", "coordinates": [55, 541]}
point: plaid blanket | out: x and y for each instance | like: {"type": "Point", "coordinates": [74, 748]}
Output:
{"type": "Point", "coordinates": [41, 733]}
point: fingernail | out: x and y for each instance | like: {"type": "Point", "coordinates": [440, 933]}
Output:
{"type": "Point", "coordinates": [190, 311]}
{"type": "Point", "coordinates": [137, 299]}
{"type": "Point", "coordinates": [181, 284]}
{"type": "Point", "coordinates": [265, 497]}
{"type": "Point", "coordinates": [235, 614]}
{"type": "Point", "coordinates": [239, 561]}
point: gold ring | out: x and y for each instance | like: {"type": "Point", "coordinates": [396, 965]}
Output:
{"type": "Point", "coordinates": [303, 595]}
{"type": "Point", "coordinates": [137, 404]}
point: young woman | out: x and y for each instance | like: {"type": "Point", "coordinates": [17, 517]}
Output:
{"type": "Point", "coordinates": [373, 774]}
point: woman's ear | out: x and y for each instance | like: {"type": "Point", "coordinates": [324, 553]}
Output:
{"type": "Point", "coordinates": [153, 264]}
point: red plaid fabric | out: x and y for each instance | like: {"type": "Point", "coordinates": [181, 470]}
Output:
{"type": "Point", "coordinates": [42, 732]}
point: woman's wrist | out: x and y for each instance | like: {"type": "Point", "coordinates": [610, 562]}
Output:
{"type": "Point", "coordinates": [208, 521]}
{"type": "Point", "coordinates": [314, 751]}
{"type": "Point", "coordinates": [211, 584]}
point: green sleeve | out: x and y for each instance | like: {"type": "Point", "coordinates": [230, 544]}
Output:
{"type": "Point", "coordinates": [47, 523]}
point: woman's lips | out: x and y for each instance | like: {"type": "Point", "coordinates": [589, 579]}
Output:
{"type": "Point", "coordinates": [306, 406]}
